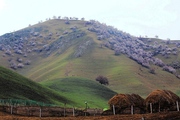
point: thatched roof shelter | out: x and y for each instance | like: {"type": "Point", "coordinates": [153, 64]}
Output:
{"type": "Point", "coordinates": [162, 96]}
{"type": "Point", "coordinates": [126, 100]}
{"type": "Point", "coordinates": [163, 99]}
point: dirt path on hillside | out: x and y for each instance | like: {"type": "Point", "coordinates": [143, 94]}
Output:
{"type": "Point", "coordinates": [155, 116]}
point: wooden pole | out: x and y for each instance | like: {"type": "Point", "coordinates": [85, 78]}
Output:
{"type": "Point", "coordinates": [11, 109]}
{"type": "Point", "coordinates": [94, 112]}
{"type": "Point", "coordinates": [64, 109]}
{"type": "Point", "coordinates": [132, 110]}
{"type": "Point", "coordinates": [151, 107]}
{"type": "Point", "coordinates": [73, 112]}
{"type": "Point", "coordinates": [28, 114]}
{"type": "Point", "coordinates": [159, 107]}
{"type": "Point", "coordinates": [86, 108]}
{"type": "Point", "coordinates": [114, 112]}
{"type": "Point", "coordinates": [40, 112]}
{"type": "Point", "coordinates": [177, 105]}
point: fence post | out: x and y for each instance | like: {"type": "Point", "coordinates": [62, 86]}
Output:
{"type": "Point", "coordinates": [132, 110]}
{"type": "Point", "coordinates": [86, 108]}
{"type": "Point", "coordinates": [73, 112]}
{"type": "Point", "coordinates": [95, 111]}
{"type": "Point", "coordinates": [114, 112]}
{"type": "Point", "coordinates": [64, 109]}
{"type": "Point", "coordinates": [177, 105]}
{"type": "Point", "coordinates": [40, 112]}
{"type": "Point", "coordinates": [11, 109]}
{"type": "Point", "coordinates": [28, 113]}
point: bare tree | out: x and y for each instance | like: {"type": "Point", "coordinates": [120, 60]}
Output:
{"type": "Point", "coordinates": [54, 17]}
{"type": "Point", "coordinates": [82, 19]}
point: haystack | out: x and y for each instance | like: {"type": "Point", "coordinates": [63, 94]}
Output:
{"type": "Point", "coordinates": [124, 102]}
{"type": "Point", "coordinates": [161, 100]}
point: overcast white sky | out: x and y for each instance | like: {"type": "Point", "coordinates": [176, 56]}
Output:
{"type": "Point", "coordinates": [137, 17]}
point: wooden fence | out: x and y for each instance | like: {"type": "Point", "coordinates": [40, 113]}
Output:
{"type": "Point", "coordinates": [43, 111]}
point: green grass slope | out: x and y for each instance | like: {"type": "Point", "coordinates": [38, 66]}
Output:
{"type": "Point", "coordinates": [124, 74]}
{"type": "Point", "coordinates": [82, 90]}
{"type": "Point", "coordinates": [72, 91]}
{"type": "Point", "coordinates": [15, 86]}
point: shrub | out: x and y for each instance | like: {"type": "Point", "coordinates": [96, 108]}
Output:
{"type": "Point", "coordinates": [20, 65]}
{"type": "Point", "coordinates": [102, 80]}
{"type": "Point", "coordinates": [27, 62]}
{"type": "Point", "coordinates": [152, 70]}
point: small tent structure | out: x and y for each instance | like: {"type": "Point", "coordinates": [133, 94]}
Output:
{"type": "Point", "coordinates": [161, 100]}
{"type": "Point", "coordinates": [127, 104]}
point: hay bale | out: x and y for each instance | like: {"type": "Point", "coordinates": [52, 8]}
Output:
{"type": "Point", "coordinates": [137, 100]}
{"type": "Point", "coordinates": [125, 101]}
{"type": "Point", "coordinates": [161, 99]}
{"type": "Point", "coordinates": [120, 101]}
{"type": "Point", "coordinates": [162, 96]}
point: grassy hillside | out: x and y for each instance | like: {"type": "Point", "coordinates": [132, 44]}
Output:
{"type": "Point", "coordinates": [82, 90]}
{"type": "Point", "coordinates": [72, 91]}
{"type": "Point", "coordinates": [15, 86]}
{"type": "Point", "coordinates": [124, 74]}
{"type": "Point", "coordinates": [60, 59]}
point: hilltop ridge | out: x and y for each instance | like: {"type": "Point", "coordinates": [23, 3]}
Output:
{"type": "Point", "coordinates": [61, 48]}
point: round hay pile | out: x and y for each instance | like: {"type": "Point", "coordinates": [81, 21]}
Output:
{"type": "Point", "coordinates": [126, 100]}
{"type": "Point", "coordinates": [137, 100]}
{"type": "Point", "coordinates": [163, 97]}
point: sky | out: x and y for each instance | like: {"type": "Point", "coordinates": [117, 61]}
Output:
{"type": "Point", "coordinates": [137, 17]}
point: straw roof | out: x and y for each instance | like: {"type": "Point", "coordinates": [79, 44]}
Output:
{"type": "Point", "coordinates": [126, 100]}
{"type": "Point", "coordinates": [162, 96]}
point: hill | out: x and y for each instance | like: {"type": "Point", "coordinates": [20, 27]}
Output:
{"type": "Point", "coordinates": [73, 92]}
{"type": "Point", "coordinates": [15, 86]}
{"type": "Point", "coordinates": [82, 90]}
{"type": "Point", "coordinates": [61, 48]}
